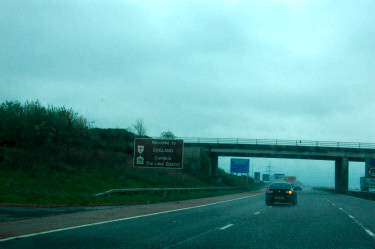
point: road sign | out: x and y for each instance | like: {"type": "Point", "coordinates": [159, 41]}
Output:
{"type": "Point", "coordinates": [371, 171]}
{"type": "Point", "coordinates": [370, 182]}
{"type": "Point", "coordinates": [158, 153]}
{"type": "Point", "coordinates": [290, 179]}
{"type": "Point", "coordinates": [279, 176]}
{"type": "Point", "coordinates": [266, 177]}
{"type": "Point", "coordinates": [370, 165]}
{"type": "Point", "coordinates": [238, 165]}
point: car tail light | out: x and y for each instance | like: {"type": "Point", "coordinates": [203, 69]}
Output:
{"type": "Point", "coordinates": [289, 192]}
{"type": "Point", "coordinates": [269, 191]}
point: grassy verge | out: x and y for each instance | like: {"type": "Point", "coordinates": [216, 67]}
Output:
{"type": "Point", "coordinates": [160, 197]}
{"type": "Point", "coordinates": [71, 185]}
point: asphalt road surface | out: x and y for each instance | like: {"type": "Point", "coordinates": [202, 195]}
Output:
{"type": "Point", "coordinates": [22, 213]}
{"type": "Point", "coordinates": [320, 220]}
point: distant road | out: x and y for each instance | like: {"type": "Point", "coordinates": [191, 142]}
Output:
{"type": "Point", "coordinates": [320, 220]}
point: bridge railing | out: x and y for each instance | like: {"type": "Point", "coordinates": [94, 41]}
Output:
{"type": "Point", "coordinates": [353, 145]}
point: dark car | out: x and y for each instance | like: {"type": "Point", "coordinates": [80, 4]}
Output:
{"type": "Point", "coordinates": [298, 187]}
{"type": "Point", "coordinates": [281, 192]}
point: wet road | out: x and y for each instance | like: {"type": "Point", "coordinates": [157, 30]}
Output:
{"type": "Point", "coordinates": [320, 220]}
{"type": "Point", "coordinates": [22, 213]}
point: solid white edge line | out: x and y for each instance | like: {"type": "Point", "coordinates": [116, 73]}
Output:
{"type": "Point", "coordinates": [122, 219]}
{"type": "Point", "coordinates": [225, 227]}
{"type": "Point", "coordinates": [370, 233]}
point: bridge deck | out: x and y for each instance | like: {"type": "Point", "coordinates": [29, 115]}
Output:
{"type": "Point", "coordinates": [309, 143]}
{"type": "Point", "coordinates": [285, 149]}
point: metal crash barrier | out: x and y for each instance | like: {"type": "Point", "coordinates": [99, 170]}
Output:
{"type": "Point", "coordinates": [164, 190]}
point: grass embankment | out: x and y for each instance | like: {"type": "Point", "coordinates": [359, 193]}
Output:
{"type": "Point", "coordinates": [51, 156]}
{"type": "Point", "coordinates": [60, 183]}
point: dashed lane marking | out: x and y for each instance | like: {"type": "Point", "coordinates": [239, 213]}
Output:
{"type": "Point", "coordinates": [359, 224]}
{"type": "Point", "coordinates": [256, 213]}
{"type": "Point", "coordinates": [225, 227]}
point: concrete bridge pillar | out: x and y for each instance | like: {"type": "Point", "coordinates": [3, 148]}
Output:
{"type": "Point", "coordinates": [341, 174]}
{"type": "Point", "coordinates": [213, 171]}
{"type": "Point", "coordinates": [192, 158]}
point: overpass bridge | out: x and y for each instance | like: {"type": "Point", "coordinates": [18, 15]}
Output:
{"type": "Point", "coordinates": [340, 152]}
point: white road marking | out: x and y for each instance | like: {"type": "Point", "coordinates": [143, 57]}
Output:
{"type": "Point", "coordinates": [370, 233]}
{"type": "Point", "coordinates": [333, 204]}
{"type": "Point", "coordinates": [189, 239]}
{"type": "Point", "coordinates": [359, 224]}
{"type": "Point", "coordinates": [122, 219]}
{"type": "Point", "coordinates": [223, 228]}
{"type": "Point", "coordinates": [257, 213]}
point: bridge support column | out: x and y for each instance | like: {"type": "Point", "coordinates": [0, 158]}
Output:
{"type": "Point", "coordinates": [341, 174]}
{"type": "Point", "coordinates": [213, 171]}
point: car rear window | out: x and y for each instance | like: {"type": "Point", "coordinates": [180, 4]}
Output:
{"type": "Point", "coordinates": [279, 186]}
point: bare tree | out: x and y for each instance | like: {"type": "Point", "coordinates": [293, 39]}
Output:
{"type": "Point", "coordinates": [130, 129]}
{"type": "Point", "coordinates": [167, 135]}
{"type": "Point", "coordinates": [140, 128]}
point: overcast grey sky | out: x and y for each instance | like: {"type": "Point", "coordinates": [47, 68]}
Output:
{"type": "Point", "coordinates": [249, 69]}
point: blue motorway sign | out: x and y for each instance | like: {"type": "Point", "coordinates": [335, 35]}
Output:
{"type": "Point", "coordinates": [238, 165]}
{"type": "Point", "coordinates": [266, 177]}
{"type": "Point", "coordinates": [279, 176]}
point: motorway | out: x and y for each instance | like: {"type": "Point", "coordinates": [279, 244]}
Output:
{"type": "Point", "coordinates": [320, 220]}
